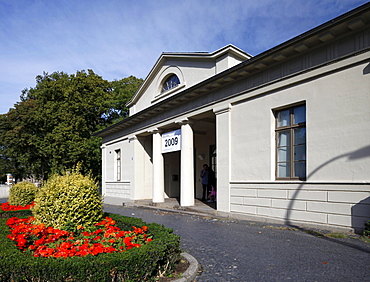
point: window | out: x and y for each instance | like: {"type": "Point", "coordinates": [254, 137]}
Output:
{"type": "Point", "coordinates": [171, 82]}
{"type": "Point", "coordinates": [291, 143]}
{"type": "Point", "coordinates": [118, 165]}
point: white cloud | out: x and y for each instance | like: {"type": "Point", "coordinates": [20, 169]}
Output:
{"type": "Point", "coordinates": [121, 38]}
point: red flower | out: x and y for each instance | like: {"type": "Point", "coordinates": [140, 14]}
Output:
{"type": "Point", "coordinates": [8, 207]}
{"type": "Point", "coordinates": [43, 241]}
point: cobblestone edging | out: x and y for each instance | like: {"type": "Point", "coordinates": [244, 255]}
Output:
{"type": "Point", "coordinates": [190, 274]}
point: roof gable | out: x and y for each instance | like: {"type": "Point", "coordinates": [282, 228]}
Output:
{"type": "Point", "coordinates": [190, 69]}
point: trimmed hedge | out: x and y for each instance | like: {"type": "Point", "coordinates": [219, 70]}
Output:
{"type": "Point", "coordinates": [22, 193]}
{"type": "Point", "coordinates": [136, 264]}
{"type": "Point", "coordinates": [69, 199]}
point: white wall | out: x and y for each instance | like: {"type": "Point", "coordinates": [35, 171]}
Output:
{"type": "Point", "coordinates": [113, 188]}
{"type": "Point", "coordinates": [4, 191]}
{"type": "Point", "coordinates": [136, 170]}
{"type": "Point", "coordinates": [337, 190]}
{"type": "Point", "coordinates": [189, 73]}
{"type": "Point", "coordinates": [338, 123]}
{"type": "Point", "coordinates": [338, 131]}
{"type": "Point", "coordinates": [143, 170]}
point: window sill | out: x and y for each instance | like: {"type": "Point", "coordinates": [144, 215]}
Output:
{"type": "Point", "coordinates": [167, 93]}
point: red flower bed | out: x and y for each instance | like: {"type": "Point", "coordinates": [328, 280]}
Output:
{"type": "Point", "coordinates": [8, 207]}
{"type": "Point", "coordinates": [43, 241]}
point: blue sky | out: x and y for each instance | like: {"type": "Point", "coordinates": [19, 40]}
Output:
{"type": "Point", "coordinates": [119, 38]}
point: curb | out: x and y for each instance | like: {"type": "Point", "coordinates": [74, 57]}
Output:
{"type": "Point", "coordinates": [177, 210]}
{"type": "Point", "coordinates": [190, 274]}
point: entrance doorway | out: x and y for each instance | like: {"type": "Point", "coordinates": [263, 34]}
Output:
{"type": "Point", "coordinates": [205, 145]}
{"type": "Point", "coordinates": [172, 174]}
{"type": "Point", "coordinates": [204, 140]}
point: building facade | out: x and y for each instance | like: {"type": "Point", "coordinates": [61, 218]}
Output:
{"type": "Point", "coordinates": [287, 132]}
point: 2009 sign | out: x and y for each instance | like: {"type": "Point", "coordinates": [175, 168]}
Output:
{"type": "Point", "coordinates": [171, 141]}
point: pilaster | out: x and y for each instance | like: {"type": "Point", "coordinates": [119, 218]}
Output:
{"type": "Point", "coordinates": [223, 143]}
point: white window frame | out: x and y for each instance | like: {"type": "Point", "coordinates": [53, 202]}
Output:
{"type": "Point", "coordinates": [292, 145]}
{"type": "Point", "coordinates": [118, 164]}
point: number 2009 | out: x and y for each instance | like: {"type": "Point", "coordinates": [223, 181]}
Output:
{"type": "Point", "coordinates": [171, 141]}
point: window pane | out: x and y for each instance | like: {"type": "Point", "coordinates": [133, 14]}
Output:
{"type": "Point", "coordinates": [300, 136]}
{"type": "Point", "coordinates": [299, 114]}
{"type": "Point", "coordinates": [284, 154]}
{"type": "Point", "coordinates": [283, 138]}
{"type": "Point", "coordinates": [300, 152]}
{"type": "Point", "coordinates": [170, 83]}
{"type": "Point", "coordinates": [283, 170]}
{"type": "Point", "coordinates": [283, 118]}
{"type": "Point", "coordinates": [291, 149]}
{"type": "Point", "coordinates": [300, 169]}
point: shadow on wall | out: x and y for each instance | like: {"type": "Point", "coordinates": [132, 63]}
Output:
{"type": "Point", "coordinates": [360, 209]}
{"type": "Point", "coordinates": [358, 212]}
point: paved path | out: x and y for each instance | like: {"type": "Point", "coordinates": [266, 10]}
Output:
{"type": "Point", "coordinates": [237, 250]}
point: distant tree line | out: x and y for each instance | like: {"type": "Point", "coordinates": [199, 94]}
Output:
{"type": "Point", "coordinates": [50, 129]}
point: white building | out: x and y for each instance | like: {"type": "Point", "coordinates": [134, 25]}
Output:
{"type": "Point", "coordinates": [287, 132]}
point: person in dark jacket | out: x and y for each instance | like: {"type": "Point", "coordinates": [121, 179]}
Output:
{"type": "Point", "coordinates": [208, 180]}
{"type": "Point", "coordinates": [204, 174]}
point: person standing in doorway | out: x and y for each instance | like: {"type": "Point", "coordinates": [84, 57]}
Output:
{"type": "Point", "coordinates": [204, 174]}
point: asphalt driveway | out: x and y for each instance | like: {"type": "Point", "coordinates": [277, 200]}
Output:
{"type": "Point", "coordinates": [237, 250]}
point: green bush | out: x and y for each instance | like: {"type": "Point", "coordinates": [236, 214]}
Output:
{"type": "Point", "coordinates": [69, 200]}
{"type": "Point", "coordinates": [9, 214]}
{"type": "Point", "coordinates": [136, 264]}
{"type": "Point", "coordinates": [22, 193]}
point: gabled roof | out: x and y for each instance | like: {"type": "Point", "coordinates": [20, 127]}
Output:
{"type": "Point", "coordinates": [229, 49]}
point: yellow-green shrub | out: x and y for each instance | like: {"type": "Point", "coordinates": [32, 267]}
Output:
{"type": "Point", "coordinates": [68, 201]}
{"type": "Point", "coordinates": [22, 193]}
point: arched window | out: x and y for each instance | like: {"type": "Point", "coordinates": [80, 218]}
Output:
{"type": "Point", "coordinates": [171, 82]}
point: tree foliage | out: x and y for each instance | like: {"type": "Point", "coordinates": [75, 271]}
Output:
{"type": "Point", "coordinates": [123, 92]}
{"type": "Point", "coordinates": [50, 129]}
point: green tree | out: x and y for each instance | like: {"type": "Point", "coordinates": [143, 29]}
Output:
{"type": "Point", "coordinates": [123, 92]}
{"type": "Point", "coordinates": [4, 166]}
{"type": "Point", "coordinates": [16, 138]}
{"type": "Point", "coordinates": [50, 129]}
